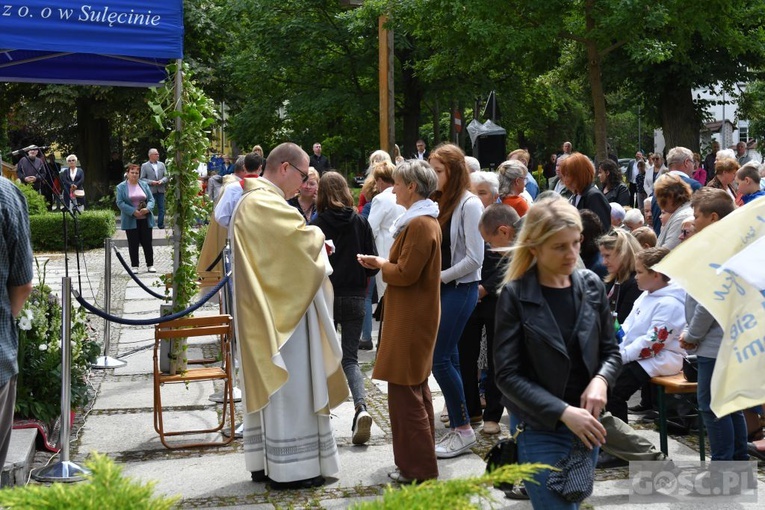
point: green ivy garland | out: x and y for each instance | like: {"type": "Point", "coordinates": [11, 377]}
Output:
{"type": "Point", "coordinates": [185, 207]}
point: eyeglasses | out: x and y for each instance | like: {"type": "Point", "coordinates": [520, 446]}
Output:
{"type": "Point", "coordinates": [302, 173]}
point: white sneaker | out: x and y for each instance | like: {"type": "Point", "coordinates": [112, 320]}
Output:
{"type": "Point", "coordinates": [151, 269]}
{"type": "Point", "coordinates": [134, 269]}
{"type": "Point", "coordinates": [454, 444]}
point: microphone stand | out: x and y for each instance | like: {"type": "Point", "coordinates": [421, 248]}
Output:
{"type": "Point", "coordinates": [64, 470]}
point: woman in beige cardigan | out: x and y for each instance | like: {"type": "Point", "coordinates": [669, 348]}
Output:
{"type": "Point", "coordinates": [405, 355]}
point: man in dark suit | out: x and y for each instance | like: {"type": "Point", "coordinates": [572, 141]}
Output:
{"type": "Point", "coordinates": [154, 173]}
{"type": "Point", "coordinates": [421, 153]}
{"type": "Point", "coordinates": [319, 161]}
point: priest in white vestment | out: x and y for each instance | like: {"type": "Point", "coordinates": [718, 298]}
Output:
{"type": "Point", "coordinates": [290, 355]}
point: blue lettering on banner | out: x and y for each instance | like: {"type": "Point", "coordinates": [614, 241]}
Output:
{"type": "Point", "coordinates": [731, 282]}
{"type": "Point", "coordinates": [136, 28]}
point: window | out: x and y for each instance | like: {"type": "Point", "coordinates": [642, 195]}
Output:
{"type": "Point", "coordinates": [743, 133]}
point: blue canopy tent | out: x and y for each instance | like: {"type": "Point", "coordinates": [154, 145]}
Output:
{"type": "Point", "coordinates": [92, 42]}
{"type": "Point", "coordinates": [98, 42]}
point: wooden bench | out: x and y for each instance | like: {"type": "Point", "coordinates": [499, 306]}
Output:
{"type": "Point", "coordinates": [673, 385]}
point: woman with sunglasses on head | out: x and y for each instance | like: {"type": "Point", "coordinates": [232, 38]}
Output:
{"type": "Point", "coordinates": [461, 259]}
{"type": "Point", "coordinates": [555, 355]}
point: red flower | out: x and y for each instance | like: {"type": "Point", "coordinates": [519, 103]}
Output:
{"type": "Point", "coordinates": [657, 347]}
{"type": "Point", "coordinates": [645, 353]}
{"type": "Point", "coordinates": [663, 334]}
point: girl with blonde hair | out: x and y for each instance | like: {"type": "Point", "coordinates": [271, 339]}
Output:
{"type": "Point", "coordinates": [554, 369]}
{"type": "Point", "coordinates": [618, 250]}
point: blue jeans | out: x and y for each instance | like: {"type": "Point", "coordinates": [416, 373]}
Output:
{"type": "Point", "coordinates": [159, 199]}
{"type": "Point", "coordinates": [457, 303]}
{"type": "Point", "coordinates": [366, 330]}
{"type": "Point", "coordinates": [727, 435]}
{"type": "Point", "coordinates": [349, 313]}
{"type": "Point", "coordinates": [546, 448]}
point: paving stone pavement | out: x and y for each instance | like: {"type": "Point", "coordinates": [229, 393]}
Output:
{"type": "Point", "coordinates": [119, 421]}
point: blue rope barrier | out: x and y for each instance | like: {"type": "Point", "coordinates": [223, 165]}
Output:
{"type": "Point", "coordinates": [157, 320]}
{"type": "Point", "coordinates": [137, 280]}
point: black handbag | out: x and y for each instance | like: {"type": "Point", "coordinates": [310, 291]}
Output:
{"type": "Point", "coordinates": [691, 368]}
{"type": "Point", "coordinates": [504, 453]}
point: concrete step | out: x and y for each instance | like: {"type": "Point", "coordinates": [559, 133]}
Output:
{"type": "Point", "coordinates": [21, 454]}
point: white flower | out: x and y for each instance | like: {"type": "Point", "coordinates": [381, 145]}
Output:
{"type": "Point", "coordinates": [30, 315]}
{"type": "Point", "coordinates": [25, 323]}
{"type": "Point", "coordinates": [43, 347]}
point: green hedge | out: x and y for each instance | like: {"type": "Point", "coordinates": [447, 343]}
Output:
{"type": "Point", "coordinates": [48, 230]}
{"type": "Point", "coordinates": [35, 202]}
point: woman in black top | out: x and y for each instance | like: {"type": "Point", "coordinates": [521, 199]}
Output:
{"type": "Point", "coordinates": [611, 183]}
{"type": "Point", "coordinates": [578, 174]}
{"type": "Point", "coordinates": [554, 369]}
{"type": "Point", "coordinates": [618, 249]}
{"type": "Point", "coordinates": [351, 235]}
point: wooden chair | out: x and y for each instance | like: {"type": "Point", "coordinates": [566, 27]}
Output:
{"type": "Point", "coordinates": [675, 384]}
{"type": "Point", "coordinates": [216, 325]}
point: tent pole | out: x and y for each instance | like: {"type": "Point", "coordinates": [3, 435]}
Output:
{"type": "Point", "coordinates": [178, 156]}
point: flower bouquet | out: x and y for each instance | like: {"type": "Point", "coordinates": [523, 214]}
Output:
{"type": "Point", "coordinates": [38, 388]}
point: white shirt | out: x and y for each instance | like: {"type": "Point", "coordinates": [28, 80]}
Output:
{"type": "Point", "coordinates": [229, 197]}
{"type": "Point", "coordinates": [382, 215]}
{"type": "Point", "coordinates": [527, 197]}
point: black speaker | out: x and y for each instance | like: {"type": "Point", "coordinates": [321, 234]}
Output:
{"type": "Point", "coordinates": [490, 150]}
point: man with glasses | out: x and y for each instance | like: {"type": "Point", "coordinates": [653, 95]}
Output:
{"type": "Point", "coordinates": [290, 354]}
{"type": "Point", "coordinates": [154, 173]}
{"type": "Point", "coordinates": [654, 170]}
{"type": "Point", "coordinates": [681, 164]}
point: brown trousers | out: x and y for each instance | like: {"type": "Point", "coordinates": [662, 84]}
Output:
{"type": "Point", "coordinates": [413, 429]}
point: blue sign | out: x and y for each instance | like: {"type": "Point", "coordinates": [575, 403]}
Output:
{"type": "Point", "coordinates": [138, 28]}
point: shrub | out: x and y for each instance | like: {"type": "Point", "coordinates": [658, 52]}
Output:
{"type": "Point", "coordinates": [107, 489]}
{"type": "Point", "coordinates": [93, 226]}
{"type": "Point", "coordinates": [36, 203]}
{"type": "Point", "coordinates": [38, 390]}
{"type": "Point", "coordinates": [454, 493]}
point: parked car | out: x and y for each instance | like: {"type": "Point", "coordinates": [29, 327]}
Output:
{"type": "Point", "coordinates": [624, 164]}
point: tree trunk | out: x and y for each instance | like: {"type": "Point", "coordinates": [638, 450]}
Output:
{"type": "Point", "coordinates": [679, 120]}
{"type": "Point", "coordinates": [596, 89]}
{"type": "Point", "coordinates": [93, 149]}
{"type": "Point", "coordinates": [412, 91]}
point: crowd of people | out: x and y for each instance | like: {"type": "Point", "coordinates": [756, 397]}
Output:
{"type": "Point", "coordinates": [558, 281]}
